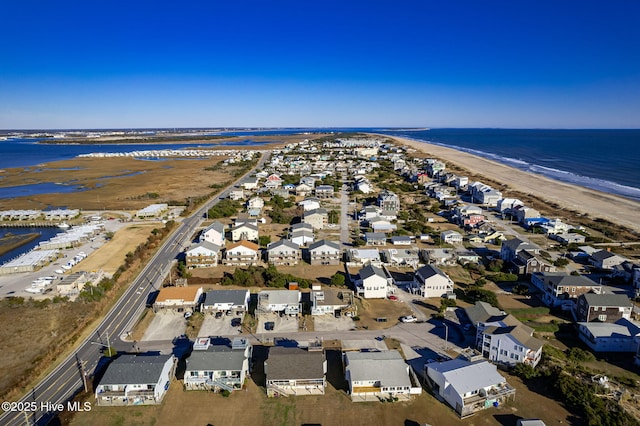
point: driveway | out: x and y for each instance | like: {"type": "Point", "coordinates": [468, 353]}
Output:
{"type": "Point", "coordinates": [212, 326]}
{"type": "Point", "coordinates": [284, 324]}
{"type": "Point", "coordinates": [165, 326]}
{"type": "Point", "coordinates": [329, 322]}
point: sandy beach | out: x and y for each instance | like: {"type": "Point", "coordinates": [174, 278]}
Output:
{"type": "Point", "coordinates": [595, 204]}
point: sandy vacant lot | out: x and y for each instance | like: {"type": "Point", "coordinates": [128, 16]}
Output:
{"type": "Point", "coordinates": [166, 325]}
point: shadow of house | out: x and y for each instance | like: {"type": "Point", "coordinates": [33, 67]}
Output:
{"type": "Point", "coordinates": [335, 370]}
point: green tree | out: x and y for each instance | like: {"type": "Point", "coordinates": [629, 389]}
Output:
{"type": "Point", "coordinates": [338, 279]}
{"type": "Point", "coordinates": [264, 240]}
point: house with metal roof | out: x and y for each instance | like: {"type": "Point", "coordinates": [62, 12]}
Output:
{"type": "Point", "coordinates": [136, 380]}
{"type": "Point", "coordinates": [604, 259]}
{"type": "Point", "coordinates": [225, 300]}
{"type": "Point", "coordinates": [432, 282]}
{"type": "Point", "coordinates": [286, 301]}
{"type": "Point", "coordinates": [510, 248]}
{"type": "Point", "coordinates": [373, 376]}
{"type": "Point", "coordinates": [218, 364]}
{"type": "Point", "coordinates": [284, 252]}
{"type": "Point", "coordinates": [402, 257]}
{"type": "Point", "coordinates": [375, 238]}
{"type": "Point", "coordinates": [469, 386]}
{"type": "Point", "coordinates": [364, 256]}
{"type": "Point", "coordinates": [294, 371]}
{"type": "Point", "coordinates": [620, 336]}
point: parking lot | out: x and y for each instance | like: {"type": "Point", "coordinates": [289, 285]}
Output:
{"type": "Point", "coordinates": [226, 325]}
{"type": "Point", "coordinates": [284, 324]}
{"type": "Point", "coordinates": [329, 322]}
{"type": "Point", "coordinates": [165, 326]}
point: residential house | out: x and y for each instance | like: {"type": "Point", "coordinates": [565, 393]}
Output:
{"type": "Point", "coordinates": [302, 190]}
{"type": "Point", "coordinates": [620, 336]}
{"type": "Point", "coordinates": [309, 204]}
{"type": "Point", "coordinates": [405, 257]}
{"type": "Point", "coordinates": [506, 204]}
{"type": "Point", "coordinates": [202, 255]}
{"type": "Point", "coordinates": [332, 301]}
{"type": "Point", "coordinates": [364, 186]}
{"type": "Point", "coordinates": [283, 252]}
{"type": "Point", "coordinates": [502, 338]}
{"type": "Point", "coordinates": [373, 283]}
{"type": "Point", "coordinates": [363, 256]}
{"type": "Point", "coordinates": [324, 191]}
{"type": "Point", "coordinates": [136, 380]}
{"type": "Point", "coordinates": [324, 252]}
{"type": "Point", "coordinates": [302, 236]}
{"type": "Point", "coordinates": [250, 183]}
{"type": "Point", "coordinates": [469, 386]}
{"type": "Point", "coordinates": [255, 203]}
{"type": "Point", "coordinates": [467, 256]}
{"type": "Point", "coordinates": [244, 231]}
{"type": "Point", "coordinates": [522, 213]}
{"type": "Point", "coordinates": [214, 234]}
{"type": "Point", "coordinates": [510, 249]}
{"type": "Point", "coordinates": [180, 299]}
{"type": "Point", "coordinates": [602, 307]}
{"type": "Point", "coordinates": [375, 238]}
{"type": "Point", "coordinates": [242, 253]}
{"type": "Point", "coordinates": [439, 256]}
{"type": "Point", "coordinates": [561, 289]}
{"type": "Point", "coordinates": [225, 300]}
{"type": "Point", "coordinates": [527, 263]}
{"type": "Point", "coordinates": [484, 194]}
{"type": "Point", "coordinates": [285, 301]}
{"type": "Point", "coordinates": [569, 238]}
{"type": "Point", "coordinates": [379, 224]}
{"type": "Point", "coordinates": [308, 180]}
{"type": "Point", "coordinates": [236, 194]}
{"type": "Point", "coordinates": [388, 200]}
{"type": "Point", "coordinates": [450, 237]}
{"type": "Point", "coordinates": [373, 376]}
{"type": "Point", "coordinates": [401, 240]}
{"type": "Point", "coordinates": [292, 371]}
{"type": "Point", "coordinates": [218, 365]}
{"type": "Point", "coordinates": [273, 181]}
{"type": "Point", "coordinates": [71, 285]}
{"type": "Point", "coordinates": [606, 260]}
{"type": "Point", "coordinates": [317, 218]}
{"type": "Point", "coordinates": [432, 282]}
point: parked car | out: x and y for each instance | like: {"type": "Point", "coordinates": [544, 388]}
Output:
{"type": "Point", "coordinates": [187, 314]}
{"type": "Point", "coordinates": [269, 325]}
{"type": "Point", "coordinates": [218, 314]}
{"type": "Point", "coordinates": [409, 318]}
{"type": "Point", "coordinates": [392, 297]}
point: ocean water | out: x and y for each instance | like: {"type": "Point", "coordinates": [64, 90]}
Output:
{"type": "Point", "coordinates": [605, 160]}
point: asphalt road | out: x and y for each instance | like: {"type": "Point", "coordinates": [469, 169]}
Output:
{"type": "Point", "coordinates": [47, 398]}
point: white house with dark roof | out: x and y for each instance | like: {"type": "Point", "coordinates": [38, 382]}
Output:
{"type": "Point", "coordinates": [432, 282]}
{"type": "Point", "coordinates": [225, 300]}
{"type": "Point", "coordinates": [214, 234]}
{"type": "Point", "coordinates": [324, 252]}
{"type": "Point", "coordinates": [293, 371]}
{"type": "Point", "coordinates": [244, 231]}
{"type": "Point", "coordinates": [510, 248]}
{"type": "Point", "coordinates": [373, 283]}
{"type": "Point", "coordinates": [503, 339]}
{"type": "Point", "coordinates": [469, 386]}
{"type": "Point", "coordinates": [284, 252]}
{"type": "Point", "coordinates": [375, 375]}
{"type": "Point", "coordinates": [375, 238]}
{"type": "Point", "coordinates": [218, 365]}
{"type": "Point", "coordinates": [451, 237]}
{"type": "Point", "coordinates": [302, 237]}
{"type": "Point", "coordinates": [202, 255]}
{"type": "Point", "coordinates": [136, 380]}
{"type": "Point", "coordinates": [605, 259]}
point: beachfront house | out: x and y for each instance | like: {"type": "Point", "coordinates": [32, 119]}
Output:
{"type": "Point", "coordinates": [602, 307]}
{"type": "Point", "coordinates": [136, 380]}
{"type": "Point", "coordinates": [469, 385]}
{"type": "Point", "coordinates": [605, 259]}
{"type": "Point", "coordinates": [374, 376]}
{"type": "Point", "coordinates": [562, 289]}
{"type": "Point", "coordinates": [620, 336]}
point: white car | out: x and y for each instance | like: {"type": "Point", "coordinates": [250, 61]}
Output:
{"type": "Point", "coordinates": [409, 318]}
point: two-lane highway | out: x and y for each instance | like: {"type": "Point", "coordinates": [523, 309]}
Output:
{"type": "Point", "coordinates": [45, 400]}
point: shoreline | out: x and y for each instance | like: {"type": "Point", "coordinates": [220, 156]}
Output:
{"type": "Point", "coordinates": [614, 208]}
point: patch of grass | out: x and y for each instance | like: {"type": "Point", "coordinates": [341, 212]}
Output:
{"type": "Point", "coordinates": [529, 312]}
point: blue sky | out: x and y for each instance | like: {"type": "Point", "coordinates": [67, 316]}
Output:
{"type": "Point", "coordinates": [85, 64]}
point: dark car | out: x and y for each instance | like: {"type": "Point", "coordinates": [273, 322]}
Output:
{"type": "Point", "coordinates": [269, 325]}
{"type": "Point", "coordinates": [218, 314]}
{"type": "Point", "coordinates": [236, 322]}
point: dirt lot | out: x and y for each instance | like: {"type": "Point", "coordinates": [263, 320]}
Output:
{"type": "Point", "coordinates": [110, 256]}
{"type": "Point", "coordinates": [329, 322]}
{"type": "Point", "coordinates": [165, 326]}
{"type": "Point", "coordinates": [371, 309]}
{"type": "Point", "coordinates": [252, 407]}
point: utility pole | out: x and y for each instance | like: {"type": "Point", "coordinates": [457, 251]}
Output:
{"type": "Point", "coordinates": [446, 335]}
